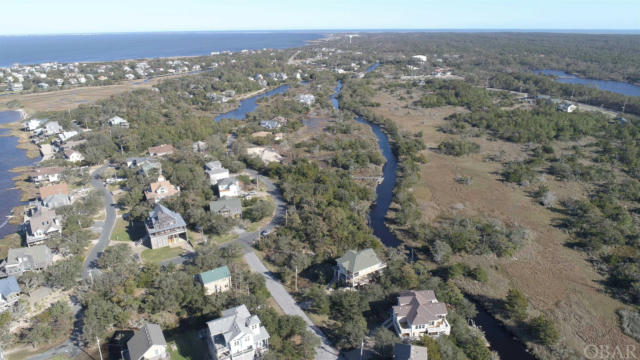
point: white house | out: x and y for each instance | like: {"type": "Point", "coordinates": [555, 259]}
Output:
{"type": "Point", "coordinates": [419, 313]}
{"type": "Point", "coordinates": [237, 335]}
{"type": "Point", "coordinates": [66, 135]}
{"type": "Point", "coordinates": [229, 187]}
{"type": "Point", "coordinates": [215, 171]}
{"type": "Point", "coordinates": [148, 343]}
{"type": "Point", "coordinates": [567, 107]}
{"type": "Point", "coordinates": [118, 121]}
{"type": "Point", "coordinates": [307, 99]}
{"type": "Point", "coordinates": [52, 128]}
{"type": "Point", "coordinates": [420, 58]}
{"type": "Point", "coordinates": [215, 281]}
{"type": "Point", "coordinates": [73, 156]}
{"type": "Point", "coordinates": [358, 267]}
{"type": "Point", "coordinates": [33, 124]}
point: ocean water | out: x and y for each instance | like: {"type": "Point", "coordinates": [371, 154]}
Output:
{"type": "Point", "coordinates": [38, 49]}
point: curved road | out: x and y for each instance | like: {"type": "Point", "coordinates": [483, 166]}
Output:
{"type": "Point", "coordinates": [325, 351]}
{"type": "Point", "coordinates": [69, 347]}
{"type": "Point", "coordinates": [107, 228]}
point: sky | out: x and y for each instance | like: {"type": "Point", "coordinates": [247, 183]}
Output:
{"type": "Point", "coordinates": [93, 16]}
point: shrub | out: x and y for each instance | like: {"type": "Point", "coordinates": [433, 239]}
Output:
{"type": "Point", "coordinates": [515, 305]}
{"type": "Point", "coordinates": [630, 323]}
{"type": "Point", "coordinates": [544, 331]}
{"type": "Point", "coordinates": [458, 147]}
{"type": "Point", "coordinates": [479, 274]}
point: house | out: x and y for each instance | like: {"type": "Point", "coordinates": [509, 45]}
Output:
{"type": "Point", "coordinates": [49, 190]}
{"type": "Point", "coordinates": [215, 171]}
{"type": "Point", "coordinates": [118, 121]}
{"type": "Point", "coordinates": [10, 292]}
{"type": "Point", "coordinates": [358, 267]}
{"type": "Point", "coordinates": [161, 150]}
{"type": "Point", "coordinates": [419, 313]}
{"type": "Point", "coordinates": [66, 135]}
{"type": "Point", "coordinates": [15, 86]}
{"type": "Point", "coordinates": [49, 174]}
{"type": "Point", "coordinates": [56, 201]}
{"type": "Point", "coordinates": [567, 107]}
{"type": "Point", "coordinates": [227, 207]}
{"type": "Point", "coordinates": [136, 161]}
{"type": "Point", "coordinates": [420, 58]}
{"type": "Point", "coordinates": [164, 227]}
{"type": "Point", "coordinates": [237, 335]}
{"type": "Point", "coordinates": [270, 124]}
{"type": "Point", "coordinates": [307, 99]}
{"type": "Point", "coordinates": [229, 187]}
{"type": "Point", "coordinates": [52, 128]}
{"type": "Point", "coordinates": [409, 352]}
{"type": "Point", "coordinates": [216, 280]}
{"type": "Point", "coordinates": [27, 259]}
{"type": "Point", "coordinates": [148, 343]}
{"type": "Point", "coordinates": [43, 224]}
{"type": "Point", "coordinates": [73, 156]}
{"type": "Point", "coordinates": [146, 164]}
{"type": "Point", "coordinates": [160, 190]}
{"type": "Point", "coordinates": [33, 124]}
{"type": "Point", "coordinates": [199, 146]}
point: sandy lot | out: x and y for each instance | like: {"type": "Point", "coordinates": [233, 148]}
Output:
{"type": "Point", "coordinates": [557, 281]}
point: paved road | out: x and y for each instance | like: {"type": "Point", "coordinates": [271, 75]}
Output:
{"type": "Point", "coordinates": [90, 263]}
{"type": "Point", "coordinates": [248, 238]}
{"type": "Point", "coordinates": [69, 347]}
{"type": "Point", "coordinates": [323, 352]}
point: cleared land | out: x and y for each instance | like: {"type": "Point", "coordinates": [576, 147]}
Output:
{"type": "Point", "coordinates": [557, 280]}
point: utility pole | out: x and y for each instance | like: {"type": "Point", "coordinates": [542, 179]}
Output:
{"type": "Point", "coordinates": [296, 278]}
{"type": "Point", "coordinates": [99, 350]}
{"type": "Point", "coordinates": [286, 216]}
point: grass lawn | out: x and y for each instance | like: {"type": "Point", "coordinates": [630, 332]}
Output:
{"type": "Point", "coordinates": [221, 239]}
{"type": "Point", "coordinates": [123, 232]}
{"type": "Point", "coordinates": [158, 255]}
{"type": "Point", "coordinates": [189, 346]}
{"type": "Point", "coordinates": [9, 241]}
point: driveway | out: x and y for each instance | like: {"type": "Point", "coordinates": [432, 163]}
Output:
{"type": "Point", "coordinates": [323, 352]}
{"type": "Point", "coordinates": [90, 263]}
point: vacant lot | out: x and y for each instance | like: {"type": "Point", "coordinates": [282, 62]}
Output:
{"type": "Point", "coordinates": [71, 98]}
{"type": "Point", "coordinates": [557, 281]}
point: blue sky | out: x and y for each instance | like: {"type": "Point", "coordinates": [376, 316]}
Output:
{"type": "Point", "coordinates": [91, 16]}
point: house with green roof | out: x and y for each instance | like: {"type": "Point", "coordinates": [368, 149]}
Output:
{"type": "Point", "coordinates": [358, 267]}
{"type": "Point", "coordinates": [216, 280]}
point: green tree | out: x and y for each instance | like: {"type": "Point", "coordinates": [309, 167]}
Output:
{"type": "Point", "coordinates": [544, 330]}
{"type": "Point", "coordinates": [515, 305]}
{"type": "Point", "coordinates": [433, 350]}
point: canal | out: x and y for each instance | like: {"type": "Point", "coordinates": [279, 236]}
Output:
{"type": "Point", "coordinates": [500, 340]}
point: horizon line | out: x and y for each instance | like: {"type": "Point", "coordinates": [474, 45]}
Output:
{"type": "Point", "coordinates": [319, 30]}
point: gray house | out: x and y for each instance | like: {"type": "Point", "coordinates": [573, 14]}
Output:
{"type": "Point", "coordinates": [9, 291]}
{"type": "Point", "coordinates": [228, 207]}
{"type": "Point", "coordinates": [27, 259]}
{"type": "Point", "coordinates": [43, 224]}
{"type": "Point", "coordinates": [148, 343]}
{"type": "Point", "coordinates": [57, 200]}
{"type": "Point", "coordinates": [164, 227]}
